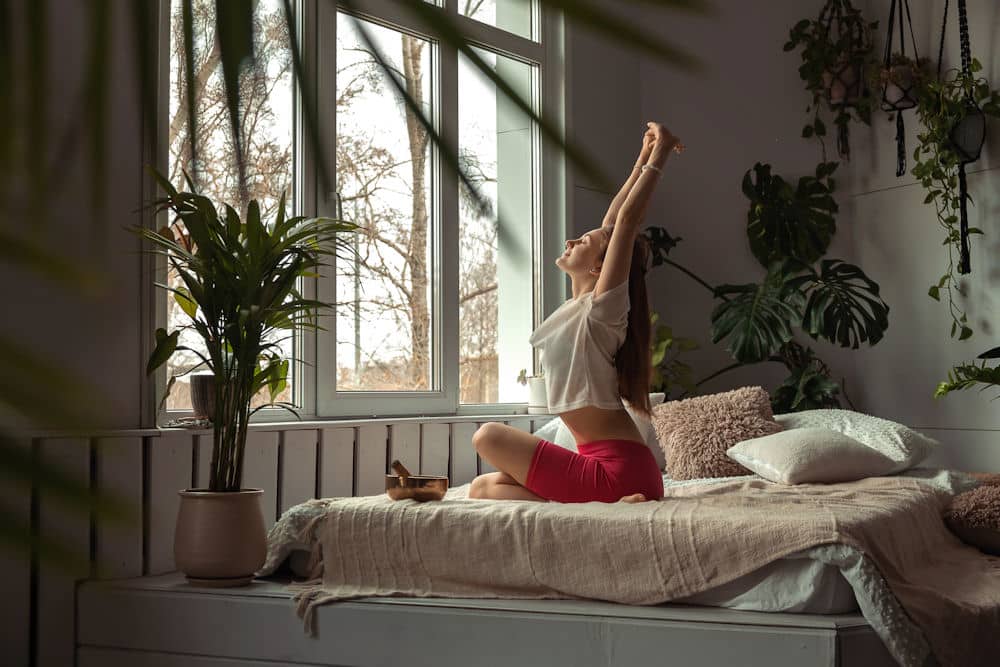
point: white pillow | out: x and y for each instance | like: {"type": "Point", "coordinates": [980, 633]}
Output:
{"type": "Point", "coordinates": [562, 436]}
{"type": "Point", "coordinates": [805, 455]}
{"type": "Point", "coordinates": [903, 445]}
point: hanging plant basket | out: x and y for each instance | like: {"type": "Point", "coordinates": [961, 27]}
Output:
{"type": "Point", "coordinates": [837, 53]}
{"type": "Point", "coordinates": [901, 82]}
{"type": "Point", "coordinates": [953, 109]}
{"type": "Point", "coordinates": [843, 84]}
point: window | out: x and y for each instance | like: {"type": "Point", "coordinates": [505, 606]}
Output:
{"type": "Point", "coordinates": [434, 309]}
{"type": "Point", "coordinates": [268, 96]}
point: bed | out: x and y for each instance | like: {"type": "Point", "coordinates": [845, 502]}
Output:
{"type": "Point", "coordinates": [828, 563]}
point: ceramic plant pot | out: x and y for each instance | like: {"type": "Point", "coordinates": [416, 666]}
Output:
{"type": "Point", "coordinates": [203, 395]}
{"type": "Point", "coordinates": [844, 85]}
{"type": "Point", "coordinates": [900, 91]}
{"type": "Point", "coordinates": [538, 403]}
{"type": "Point", "coordinates": [220, 538]}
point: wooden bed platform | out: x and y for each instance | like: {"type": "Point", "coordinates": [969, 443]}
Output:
{"type": "Point", "coordinates": [162, 621]}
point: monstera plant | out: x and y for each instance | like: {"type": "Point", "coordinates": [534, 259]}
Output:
{"type": "Point", "coordinates": [789, 230]}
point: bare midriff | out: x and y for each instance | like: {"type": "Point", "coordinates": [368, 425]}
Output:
{"type": "Point", "coordinates": [589, 424]}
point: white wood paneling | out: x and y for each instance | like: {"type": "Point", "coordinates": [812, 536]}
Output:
{"type": "Point", "coordinates": [108, 657]}
{"type": "Point", "coordinates": [70, 528]}
{"type": "Point", "coordinates": [170, 461]}
{"type": "Point", "coordinates": [463, 455]}
{"type": "Point", "coordinates": [404, 444]}
{"type": "Point", "coordinates": [371, 464]}
{"type": "Point", "coordinates": [336, 469]}
{"type": "Point", "coordinates": [298, 467]}
{"type": "Point", "coordinates": [434, 449]}
{"type": "Point", "coordinates": [15, 573]}
{"type": "Point", "coordinates": [260, 470]}
{"type": "Point", "coordinates": [119, 477]}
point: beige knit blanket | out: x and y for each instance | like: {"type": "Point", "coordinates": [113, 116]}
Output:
{"type": "Point", "coordinates": [697, 537]}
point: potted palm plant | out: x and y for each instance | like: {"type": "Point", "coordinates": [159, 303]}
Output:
{"type": "Point", "coordinates": [240, 290]}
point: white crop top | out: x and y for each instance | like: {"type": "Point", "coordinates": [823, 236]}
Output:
{"type": "Point", "coordinates": [578, 343]}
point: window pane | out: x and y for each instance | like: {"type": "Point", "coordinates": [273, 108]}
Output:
{"type": "Point", "coordinates": [268, 118]}
{"type": "Point", "coordinates": [511, 15]}
{"type": "Point", "coordinates": [385, 320]}
{"type": "Point", "coordinates": [497, 145]}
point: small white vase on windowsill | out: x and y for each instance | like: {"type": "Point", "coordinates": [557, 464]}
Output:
{"type": "Point", "coordinates": [538, 403]}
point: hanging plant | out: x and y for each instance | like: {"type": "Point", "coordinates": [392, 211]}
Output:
{"type": "Point", "coordinates": [837, 55]}
{"type": "Point", "coordinates": [953, 112]}
{"type": "Point", "coordinates": [902, 82]}
{"type": "Point", "coordinates": [900, 78]}
{"type": "Point", "coordinates": [966, 376]}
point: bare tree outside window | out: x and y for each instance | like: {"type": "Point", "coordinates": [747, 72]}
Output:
{"type": "Point", "coordinates": [384, 302]}
{"type": "Point", "coordinates": [266, 97]}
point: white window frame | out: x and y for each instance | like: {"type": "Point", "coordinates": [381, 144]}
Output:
{"type": "Point", "coordinates": [315, 378]}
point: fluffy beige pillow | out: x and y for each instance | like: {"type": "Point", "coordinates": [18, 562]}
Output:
{"type": "Point", "coordinates": [696, 432]}
{"type": "Point", "coordinates": [805, 455]}
{"type": "Point", "coordinates": [974, 516]}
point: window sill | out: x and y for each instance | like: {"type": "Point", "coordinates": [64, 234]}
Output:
{"type": "Point", "coordinates": [307, 423]}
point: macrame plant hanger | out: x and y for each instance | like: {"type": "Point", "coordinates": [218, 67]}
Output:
{"type": "Point", "coordinates": [899, 91]}
{"type": "Point", "coordinates": [846, 77]}
{"type": "Point", "coordinates": [968, 134]}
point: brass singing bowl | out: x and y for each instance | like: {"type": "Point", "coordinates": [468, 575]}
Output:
{"type": "Point", "coordinates": [418, 487]}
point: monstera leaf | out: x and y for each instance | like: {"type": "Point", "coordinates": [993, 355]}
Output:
{"type": "Point", "coordinates": [757, 319]}
{"type": "Point", "coordinates": [786, 223]}
{"type": "Point", "coordinates": [844, 306]}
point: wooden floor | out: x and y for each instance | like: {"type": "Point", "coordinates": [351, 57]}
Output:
{"type": "Point", "coordinates": [164, 622]}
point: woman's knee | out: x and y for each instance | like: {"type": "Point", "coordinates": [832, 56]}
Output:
{"type": "Point", "coordinates": [490, 432]}
{"type": "Point", "coordinates": [479, 485]}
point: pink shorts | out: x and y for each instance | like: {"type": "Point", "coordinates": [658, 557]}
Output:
{"type": "Point", "coordinates": [603, 470]}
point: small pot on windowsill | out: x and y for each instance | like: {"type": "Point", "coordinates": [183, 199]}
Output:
{"type": "Point", "coordinates": [538, 403]}
{"type": "Point", "coordinates": [203, 395]}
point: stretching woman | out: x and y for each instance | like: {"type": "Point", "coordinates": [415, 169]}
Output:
{"type": "Point", "coordinates": [595, 351]}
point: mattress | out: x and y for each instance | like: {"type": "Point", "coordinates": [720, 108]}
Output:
{"type": "Point", "coordinates": [794, 584]}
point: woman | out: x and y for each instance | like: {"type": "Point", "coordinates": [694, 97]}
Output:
{"type": "Point", "coordinates": [595, 351]}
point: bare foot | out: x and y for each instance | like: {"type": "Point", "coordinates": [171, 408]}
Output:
{"type": "Point", "coordinates": [634, 498]}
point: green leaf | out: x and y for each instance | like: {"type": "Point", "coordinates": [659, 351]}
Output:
{"type": "Point", "coordinates": [965, 333]}
{"type": "Point", "coordinates": [933, 292]}
{"type": "Point", "coordinates": [786, 223]}
{"type": "Point", "coordinates": [966, 376]}
{"type": "Point", "coordinates": [165, 346]}
{"type": "Point", "coordinates": [757, 319]}
{"type": "Point", "coordinates": [844, 306]}
{"type": "Point", "coordinates": [183, 298]}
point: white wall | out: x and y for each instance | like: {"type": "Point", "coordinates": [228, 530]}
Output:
{"type": "Point", "coordinates": [749, 106]}
{"type": "Point", "coordinates": [896, 232]}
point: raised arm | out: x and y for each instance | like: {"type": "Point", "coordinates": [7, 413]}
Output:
{"type": "Point", "coordinates": [616, 203]}
{"type": "Point", "coordinates": [618, 258]}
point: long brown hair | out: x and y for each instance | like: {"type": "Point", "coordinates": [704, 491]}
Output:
{"type": "Point", "coordinates": [633, 361]}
